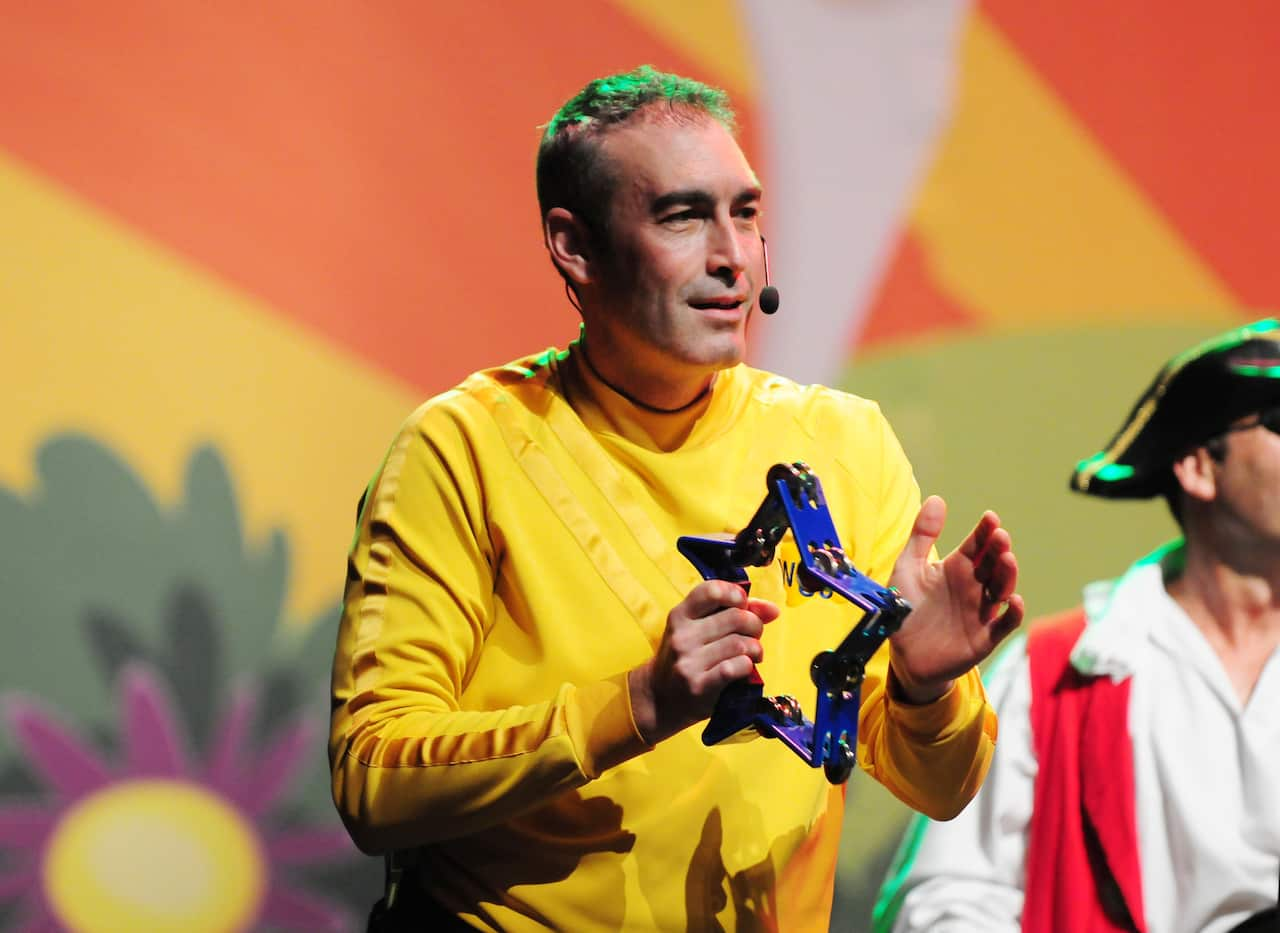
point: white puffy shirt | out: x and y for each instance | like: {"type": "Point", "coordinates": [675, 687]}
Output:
{"type": "Point", "coordinates": [1207, 771]}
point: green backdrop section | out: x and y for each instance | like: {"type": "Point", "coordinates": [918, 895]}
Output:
{"type": "Point", "coordinates": [90, 551]}
{"type": "Point", "coordinates": [998, 421]}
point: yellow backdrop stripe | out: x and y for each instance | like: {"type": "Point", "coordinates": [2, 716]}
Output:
{"type": "Point", "coordinates": [1016, 170]}
{"type": "Point", "coordinates": [111, 334]}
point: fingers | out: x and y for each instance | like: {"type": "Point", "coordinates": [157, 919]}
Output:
{"type": "Point", "coordinates": [727, 671]}
{"type": "Point", "coordinates": [1008, 621]}
{"type": "Point", "coordinates": [710, 596]}
{"type": "Point", "coordinates": [981, 538]}
{"type": "Point", "coordinates": [998, 575]}
{"type": "Point", "coordinates": [928, 525]}
{"type": "Point", "coordinates": [729, 648]}
{"type": "Point", "coordinates": [730, 626]}
{"type": "Point", "coordinates": [996, 544]}
{"type": "Point", "coordinates": [995, 567]}
{"type": "Point", "coordinates": [713, 637]}
{"type": "Point", "coordinates": [764, 610]}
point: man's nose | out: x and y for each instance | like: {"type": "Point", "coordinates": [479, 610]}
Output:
{"type": "Point", "coordinates": [726, 253]}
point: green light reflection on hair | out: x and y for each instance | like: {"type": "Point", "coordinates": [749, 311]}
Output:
{"type": "Point", "coordinates": [614, 98]}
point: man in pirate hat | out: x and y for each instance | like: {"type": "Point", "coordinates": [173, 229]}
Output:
{"type": "Point", "coordinates": [1136, 785]}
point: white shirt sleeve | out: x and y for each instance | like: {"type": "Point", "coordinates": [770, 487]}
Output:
{"type": "Point", "coordinates": [968, 874]}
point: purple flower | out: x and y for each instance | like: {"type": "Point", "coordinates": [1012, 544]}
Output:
{"type": "Point", "coordinates": [161, 841]}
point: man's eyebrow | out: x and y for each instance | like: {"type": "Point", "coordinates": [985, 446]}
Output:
{"type": "Point", "coordinates": [698, 197]}
{"type": "Point", "coordinates": [690, 197]}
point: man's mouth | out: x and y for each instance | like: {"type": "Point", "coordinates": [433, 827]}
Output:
{"type": "Point", "coordinates": [717, 304]}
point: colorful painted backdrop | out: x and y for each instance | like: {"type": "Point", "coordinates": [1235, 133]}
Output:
{"type": "Point", "coordinates": [238, 243]}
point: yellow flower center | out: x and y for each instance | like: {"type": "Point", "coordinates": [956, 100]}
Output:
{"type": "Point", "coordinates": [156, 855]}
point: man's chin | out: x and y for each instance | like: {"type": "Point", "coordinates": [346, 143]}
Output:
{"type": "Point", "coordinates": [726, 352]}
{"type": "Point", "coordinates": [726, 360]}
{"type": "Point", "coordinates": [709, 352]}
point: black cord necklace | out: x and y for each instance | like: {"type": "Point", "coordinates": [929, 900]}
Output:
{"type": "Point", "coordinates": [637, 402]}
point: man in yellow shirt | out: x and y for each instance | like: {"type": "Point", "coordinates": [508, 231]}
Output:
{"type": "Point", "coordinates": [523, 651]}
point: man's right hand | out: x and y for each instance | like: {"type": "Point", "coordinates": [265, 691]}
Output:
{"type": "Point", "coordinates": [712, 638]}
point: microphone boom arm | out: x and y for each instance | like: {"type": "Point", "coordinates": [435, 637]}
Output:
{"type": "Point", "coordinates": [794, 502]}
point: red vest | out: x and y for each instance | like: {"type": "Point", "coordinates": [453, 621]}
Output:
{"type": "Point", "coordinates": [1083, 874]}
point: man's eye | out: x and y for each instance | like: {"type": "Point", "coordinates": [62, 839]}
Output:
{"type": "Point", "coordinates": [678, 217]}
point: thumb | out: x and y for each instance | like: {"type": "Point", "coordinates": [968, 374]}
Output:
{"type": "Point", "coordinates": [767, 611]}
{"type": "Point", "coordinates": [925, 531]}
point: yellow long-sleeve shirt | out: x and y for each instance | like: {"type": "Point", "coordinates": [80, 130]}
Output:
{"type": "Point", "coordinates": [515, 557]}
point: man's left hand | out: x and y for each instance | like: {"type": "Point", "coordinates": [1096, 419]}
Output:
{"type": "Point", "coordinates": [963, 605]}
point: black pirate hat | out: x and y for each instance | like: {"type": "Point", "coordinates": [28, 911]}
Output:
{"type": "Point", "coordinates": [1195, 397]}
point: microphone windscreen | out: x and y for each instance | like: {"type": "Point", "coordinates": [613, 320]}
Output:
{"type": "Point", "coordinates": [769, 299]}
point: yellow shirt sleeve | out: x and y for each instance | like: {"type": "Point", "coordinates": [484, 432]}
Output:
{"type": "Point", "coordinates": [410, 766]}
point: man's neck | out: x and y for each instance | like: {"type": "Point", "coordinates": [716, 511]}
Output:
{"type": "Point", "coordinates": [640, 402]}
{"type": "Point", "coordinates": [661, 393]}
{"type": "Point", "coordinates": [1236, 606]}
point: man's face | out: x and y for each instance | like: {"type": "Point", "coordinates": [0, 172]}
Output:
{"type": "Point", "coordinates": [1248, 481]}
{"type": "Point", "coordinates": [684, 260]}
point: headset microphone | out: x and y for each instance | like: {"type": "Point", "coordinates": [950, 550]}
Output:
{"type": "Point", "coordinates": [769, 299]}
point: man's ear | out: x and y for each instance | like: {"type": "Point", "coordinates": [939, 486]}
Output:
{"type": "Point", "coordinates": [1196, 472]}
{"type": "Point", "coordinates": [569, 242]}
